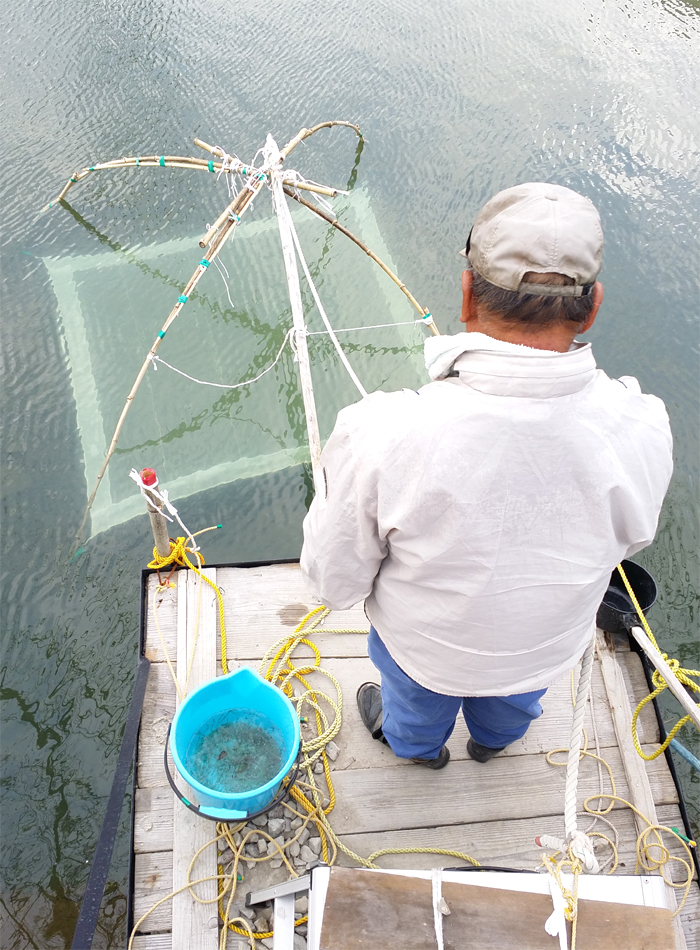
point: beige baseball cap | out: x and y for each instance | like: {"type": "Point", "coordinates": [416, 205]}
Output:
{"type": "Point", "coordinates": [537, 227]}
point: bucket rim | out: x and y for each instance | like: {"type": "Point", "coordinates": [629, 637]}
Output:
{"type": "Point", "coordinates": [235, 799]}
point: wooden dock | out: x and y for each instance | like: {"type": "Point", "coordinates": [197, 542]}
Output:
{"type": "Point", "coordinates": [492, 812]}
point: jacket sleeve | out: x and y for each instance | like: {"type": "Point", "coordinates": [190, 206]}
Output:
{"type": "Point", "coordinates": [343, 550]}
{"type": "Point", "coordinates": [650, 463]}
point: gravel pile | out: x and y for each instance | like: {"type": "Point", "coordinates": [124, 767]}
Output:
{"type": "Point", "coordinates": [282, 827]}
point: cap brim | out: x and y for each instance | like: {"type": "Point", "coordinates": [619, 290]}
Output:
{"type": "Point", "coordinates": [463, 252]}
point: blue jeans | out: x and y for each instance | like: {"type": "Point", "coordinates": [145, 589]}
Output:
{"type": "Point", "coordinates": [418, 722]}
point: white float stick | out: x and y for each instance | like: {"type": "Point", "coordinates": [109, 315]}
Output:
{"type": "Point", "coordinates": [314, 293]}
{"type": "Point", "coordinates": [159, 524]}
{"type": "Point", "coordinates": [677, 688]}
{"type": "Point", "coordinates": [273, 157]}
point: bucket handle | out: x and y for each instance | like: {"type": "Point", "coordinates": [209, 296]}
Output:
{"type": "Point", "coordinates": [224, 814]}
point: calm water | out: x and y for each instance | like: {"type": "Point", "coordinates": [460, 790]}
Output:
{"type": "Point", "coordinates": [457, 100]}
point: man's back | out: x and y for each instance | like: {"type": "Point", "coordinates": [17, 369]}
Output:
{"type": "Point", "coordinates": [482, 516]}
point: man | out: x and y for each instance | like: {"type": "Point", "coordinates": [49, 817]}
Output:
{"type": "Point", "coordinates": [480, 517]}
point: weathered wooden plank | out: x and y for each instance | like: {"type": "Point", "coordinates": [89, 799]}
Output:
{"type": "Point", "coordinates": [196, 665]}
{"type": "Point", "coordinates": [397, 910]}
{"type": "Point", "coordinates": [357, 750]}
{"type": "Point", "coordinates": [153, 880]}
{"type": "Point", "coordinates": [550, 731]}
{"type": "Point", "coordinates": [512, 786]}
{"type": "Point", "coordinates": [162, 941]}
{"type": "Point", "coordinates": [497, 808]}
{"type": "Point", "coordinates": [156, 716]}
{"type": "Point", "coordinates": [166, 614]}
{"type": "Point", "coordinates": [690, 919]}
{"type": "Point", "coordinates": [502, 843]}
{"type": "Point", "coordinates": [261, 605]}
{"type": "Point", "coordinates": [153, 818]}
{"type": "Point", "coordinates": [639, 790]}
{"type": "Point", "coordinates": [636, 687]}
{"type": "Point", "coordinates": [264, 604]}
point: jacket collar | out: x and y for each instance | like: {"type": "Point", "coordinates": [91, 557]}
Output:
{"type": "Point", "coordinates": [508, 369]}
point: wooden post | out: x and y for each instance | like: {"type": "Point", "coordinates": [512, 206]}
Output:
{"type": "Point", "coordinates": [194, 925]}
{"type": "Point", "coordinates": [159, 524]}
{"type": "Point", "coordinates": [635, 771]}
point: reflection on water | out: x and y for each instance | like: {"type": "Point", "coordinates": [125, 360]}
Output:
{"type": "Point", "coordinates": [456, 100]}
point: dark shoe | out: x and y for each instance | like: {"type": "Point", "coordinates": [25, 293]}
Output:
{"type": "Point", "coordinates": [481, 753]}
{"type": "Point", "coordinates": [435, 764]}
{"type": "Point", "coordinates": [369, 702]}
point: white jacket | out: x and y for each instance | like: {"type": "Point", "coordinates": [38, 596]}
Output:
{"type": "Point", "coordinates": [481, 516]}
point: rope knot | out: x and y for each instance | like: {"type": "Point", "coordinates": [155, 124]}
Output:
{"type": "Point", "coordinates": [581, 852]}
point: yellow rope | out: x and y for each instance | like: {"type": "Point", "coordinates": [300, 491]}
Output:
{"type": "Point", "coordinates": [682, 675]}
{"type": "Point", "coordinates": [646, 860]}
{"type": "Point", "coordinates": [277, 667]}
{"type": "Point", "coordinates": [178, 555]}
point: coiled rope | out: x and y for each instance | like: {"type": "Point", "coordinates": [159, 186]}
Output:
{"type": "Point", "coordinates": [308, 801]}
{"type": "Point", "coordinates": [651, 853]}
{"type": "Point", "coordinates": [178, 558]}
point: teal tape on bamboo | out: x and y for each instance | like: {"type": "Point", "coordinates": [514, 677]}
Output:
{"type": "Point", "coordinates": [182, 298]}
{"type": "Point", "coordinates": [161, 161]}
{"type": "Point", "coordinates": [138, 161]}
{"type": "Point", "coordinates": [92, 168]}
{"type": "Point", "coordinates": [204, 262]}
{"type": "Point", "coordinates": [211, 166]}
{"type": "Point", "coordinates": [161, 333]}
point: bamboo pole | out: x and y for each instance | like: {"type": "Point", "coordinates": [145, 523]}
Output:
{"type": "Point", "coordinates": [305, 133]}
{"type": "Point", "coordinates": [172, 316]}
{"type": "Point", "coordinates": [148, 161]}
{"type": "Point", "coordinates": [387, 270]}
{"type": "Point", "coordinates": [229, 210]}
{"type": "Point", "coordinates": [216, 242]}
{"type": "Point", "coordinates": [197, 164]}
{"type": "Point", "coordinates": [304, 185]}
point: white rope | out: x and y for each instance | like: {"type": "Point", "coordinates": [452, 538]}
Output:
{"type": "Point", "coordinates": [273, 158]}
{"type": "Point", "coordinates": [596, 818]}
{"type": "Point", "coordinates": [376, 326]}
{"type": "Point", "coordinates": [578, 841]}
{"type": "Point", "coordinates": [218, 266]}
{"type": "Point", "coordinates": [329, 329]}
{"type": "Point", "coordinates": [440, 908]}
{"type": "Point", "coordinates": [584, 682]}
{"type": "Point", "coordinates": [247, 382]}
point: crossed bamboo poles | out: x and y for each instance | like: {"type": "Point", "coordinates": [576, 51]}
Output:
{"type": "Point", "coordinates": [216, 236]}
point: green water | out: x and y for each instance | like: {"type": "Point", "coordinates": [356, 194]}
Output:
{"type": "Point", "coordinates": [456, 100]}
{"type": "Point", "coordinates": [235, 753]}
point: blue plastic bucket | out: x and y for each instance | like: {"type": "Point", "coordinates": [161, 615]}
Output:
{"type": "Point", "coordinates": [227, 698]}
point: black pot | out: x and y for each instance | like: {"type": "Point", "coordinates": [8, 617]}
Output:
{"type": "Point", "coordinates": [617, 613]}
